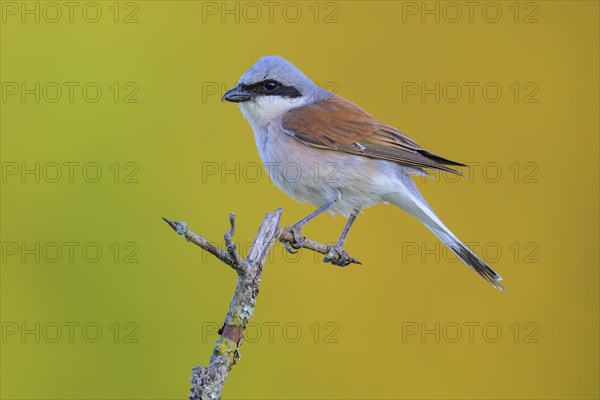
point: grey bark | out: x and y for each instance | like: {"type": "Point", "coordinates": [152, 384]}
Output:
{"type": "Point", "coordinates": [208, 382]}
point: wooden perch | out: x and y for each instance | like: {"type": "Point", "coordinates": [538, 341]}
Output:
{"type": "Point", "coordinates": [208, 382]}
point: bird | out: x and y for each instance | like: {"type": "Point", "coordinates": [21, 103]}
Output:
{"type": "Point", "coordinates": [322, 149]}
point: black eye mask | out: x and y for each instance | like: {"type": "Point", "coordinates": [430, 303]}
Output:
{"type": "Point", "coordinates": [264, 88]}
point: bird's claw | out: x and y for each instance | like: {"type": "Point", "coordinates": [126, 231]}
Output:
{"type": "Point", "coordinates": [289, 248]}
{"type": "Point", "coordinates": [338, 256]}
{"type": "Point", "coordinates": [297, 241]}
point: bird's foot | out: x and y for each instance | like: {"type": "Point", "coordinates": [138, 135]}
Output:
{"type": "Point", "coordinates": [297, 241]}
{"type": "Point", "coordinates": [338, 256]}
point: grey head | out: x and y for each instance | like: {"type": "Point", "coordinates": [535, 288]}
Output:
{"type": "Point", "coordinates": [273, 76]}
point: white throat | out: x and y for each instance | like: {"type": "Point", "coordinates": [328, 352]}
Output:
{"type": "Point", "coordinates": [264, 109]}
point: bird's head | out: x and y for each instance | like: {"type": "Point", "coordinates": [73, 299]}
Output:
{"type": "Point", "coordinates": [271, 87]}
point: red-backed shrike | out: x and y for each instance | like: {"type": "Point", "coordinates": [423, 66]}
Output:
{"type": "Point", "coordinates": [359, 160]}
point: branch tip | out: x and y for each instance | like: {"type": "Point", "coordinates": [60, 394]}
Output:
{"type": "Point", "coordinates": [179, 227]}
{"type": "Point", "coordinates": [232, 223]}
{"type": "Point", "coordinates": [171, 223]}
{"type": "Point", "coordinates": [238, 263]}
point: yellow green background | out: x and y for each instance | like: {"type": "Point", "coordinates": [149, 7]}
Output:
{"type": "Point", "coordinates": [176, 128]}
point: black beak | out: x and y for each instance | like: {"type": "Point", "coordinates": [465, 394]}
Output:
{"type": "Point", "coordinates": [237, 95]}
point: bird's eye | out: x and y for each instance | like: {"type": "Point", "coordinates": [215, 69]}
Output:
{"type": "Point", "coordinates": [271, 85]}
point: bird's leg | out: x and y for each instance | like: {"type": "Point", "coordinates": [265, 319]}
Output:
{"type": "Point", "coordinates": [337, 255]}
{"type": "Point", "coordinates": [296, 229]}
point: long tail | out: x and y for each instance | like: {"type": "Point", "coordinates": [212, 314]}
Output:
{"type": "Point", "coordinates": [411, 201]}
{"type": "Point", "coordinates": [468, 257]}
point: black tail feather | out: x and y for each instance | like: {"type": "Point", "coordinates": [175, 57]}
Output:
{"type": "Point", "coordinates": [477, 264]}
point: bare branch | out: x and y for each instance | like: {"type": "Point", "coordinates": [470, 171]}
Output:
{"type": "Point", "coordinates": [231, 246]}
{"type": "Point", "coordinates": [208, 382]}
{"type": "Point", "coordinates": [182, 229]}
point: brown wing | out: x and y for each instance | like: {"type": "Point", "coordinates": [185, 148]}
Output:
{"type": "Point", "coordinates": [337, 124]}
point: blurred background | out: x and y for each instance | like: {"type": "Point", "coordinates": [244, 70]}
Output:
{"type": "Point", "coordinates": [111, 118]}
